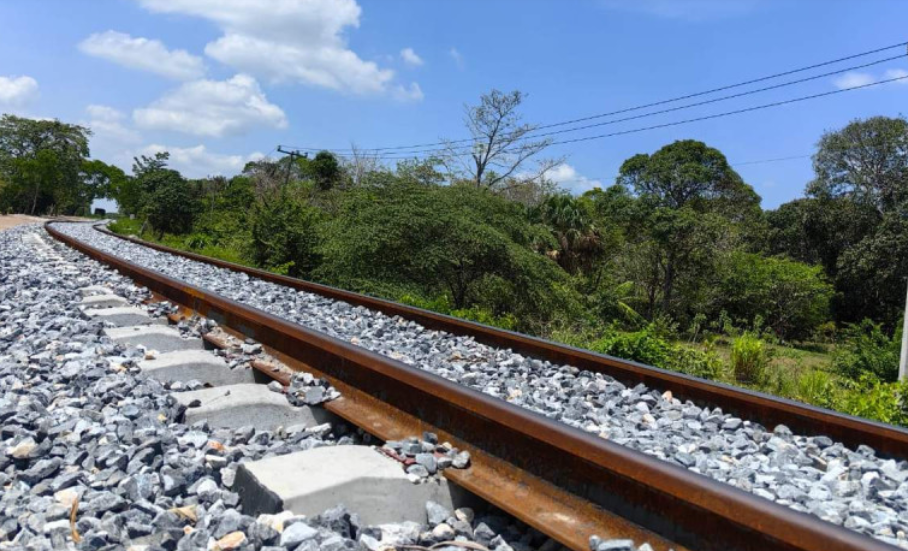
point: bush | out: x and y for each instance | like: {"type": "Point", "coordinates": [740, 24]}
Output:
{"type": "Point", "coordinates": [873, 399]}
{"type": "Point", "coordinates": [749, 359]}
{"type": "Point", "coordinates": [172, 207]}
{"type": "Point", "coordinates": [868, 350]}
{"type": "Point", "coordinates": [646, 346]}
{"type": "Point", "coordinates": [791, 297]}
{"type": "Point", "coordinates": [466, 243]}
{"type": "Point", "coordinates": [286, 236]}
{"type": "Point", "coordinates": [125, 226]}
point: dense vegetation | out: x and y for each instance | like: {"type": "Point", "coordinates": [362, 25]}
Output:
{"type": "Point", "coordinates": [675, 265]}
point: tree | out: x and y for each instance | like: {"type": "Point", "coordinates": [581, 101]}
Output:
{"type": "Point", "coordinates": [867, 162]}
{"type": "Point", "coordinates": [686, 173]}
{"type": "Point", "coordinates": [100, 180]}
{"type": "Point", "coordinates": [691, 199]}
{"type": "Point", "coordinates": [168, 202]}
{"type": "Point", "coordinates": [42, 163]}
{"type": "Point", "coordinates": [286, 234]}
{"type": "Point", "coordinates": [791, 297]}
{"type": "Point", "coordinates": [852, 219]}
{"type": "Point", "coordinates": [458, 241]}
{"type": "Point", "coordinates": [325, 170]}
{"type": "Point", "coordinates": [500, 144]}
{"type": "Point", "coordinates": [577, 237]}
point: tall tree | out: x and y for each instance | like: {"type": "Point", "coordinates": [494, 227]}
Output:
{"type": "Point", "coordinates": [500, 146]}
{"type": "Point", "coordinates": [866, 162]}
{"type": "Point", "coordinates": [42, 162]}
{"type": "Point", "coordinates": [858, 202]}
{"type": "Point", "coordinates": [690, 196]}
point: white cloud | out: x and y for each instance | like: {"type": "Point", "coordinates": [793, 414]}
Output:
{"type": "Point", "coordinates": [570, 180]}
{"type": "Point", "coordinates": [408, 93]}
{"type": "Point", "coordinates": [410, 57]}
{"type": "Point", "coordinates": [198, 162]}
{"type": "Point", "coordinates": [107, 125]}
{"type": "Point", "coordinates": [690, 10]}
{"type": "Point", "coordinates": [287, 40]}
{"type": "Point", "coordinates": [852, 79]}
{"type": "Point", "coordinates": [212, 108]}
{"type": "Point", "coordinates": [17, 91]}
{"type": "Point", "coordinates": [457, 57]}
{"type": "Point", "coordinates": [897, 73]}
{"type": "Point", "coordinates": [144, 54]}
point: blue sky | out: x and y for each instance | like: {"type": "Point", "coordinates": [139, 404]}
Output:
{"type": "Point", "coordinates": [219, 82]}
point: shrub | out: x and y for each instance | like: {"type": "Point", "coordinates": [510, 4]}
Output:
{"type": "Point", "coordinates": [818, 388]}
{"type": "Point", "coordinates": [286, 236]}
{"type": "Point", "coordinates": [791, 297]}
{"type": "Point", "coordinates": [749, 359]}
{"type": "Point", "coordinates": [871, 398]}
{"type": "Point", "coordinates": [646, 346]}
{"type": "Point", "coordinates": [466, 243]}
{"type": "Point", "coordinates": [868, 350]}
{"type": "Point", "coordinates": [640, 346]}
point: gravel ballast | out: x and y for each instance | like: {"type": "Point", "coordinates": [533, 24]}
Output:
{"type": "Point", "coordinates": [93, 454]}
{"type": "Point", "coordinates": [813, 474]}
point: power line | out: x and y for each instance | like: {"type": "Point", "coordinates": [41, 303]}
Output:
{"type": "Point", "coordinates": [657, 103]}
{"type": "Point", "coordinates": [677, 108]}
{"type": "Point", "coordinates": [707, 117]}
{"type": "Point", "coordinates": [729, 113]}
{"type": "Point", "coordinates": [779, 159]}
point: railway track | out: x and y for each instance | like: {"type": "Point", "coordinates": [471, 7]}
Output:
{"type": "Point", "coordinates": [560, 479]}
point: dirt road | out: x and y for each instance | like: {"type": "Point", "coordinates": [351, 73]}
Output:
{"type": "Point", "coordinates": [8, 221]}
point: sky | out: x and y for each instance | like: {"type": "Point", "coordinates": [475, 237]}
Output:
{"type": "Point", "coordinates": [220, 82]}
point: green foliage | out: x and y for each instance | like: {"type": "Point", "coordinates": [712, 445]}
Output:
{"type": "Point", "coordinates": [42, 166]}
{"type": "Point", "coordinates": [646, 346]}
{"type": "Point", "coordinates": [460, 241]}
{"type": "Point", "coordinates": [868, 350]}
{"type": "Point", "coordinates": [792, 298]}
{"type": "Point", "coordinates": [442, 305]}
{"type": "Point", "coordinates": [870, 398]}
{"type": "Point", "coordinates": [867, 162]}
{"type": "Point", "coordinates": [126, 226]}
{"type": "Point", "coordinates": [171, 205]}
{"type": "Point", "coordinates": [578, 241]}
{"type": "Point", "coordinates": [285, 235]}
{"type": "Point", "coordinates": [325, 170]}
{"type": "Point", "coordinates": [749, 359]}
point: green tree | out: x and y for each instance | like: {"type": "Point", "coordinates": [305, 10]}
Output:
{"type": "Point", "coordinates": [867, 162]}
{"type": "Point", "coordinates": [286, 234]}
{"type": "Point", "coordinates": [460, 241]}
{"type": "Point", "coordinates": [690, 199]}
{"type": "Point", "coordinates": [166, 199]}
{"type": "Point", "coordinates": [42, 162]}
{"type": "Point", "coordinates": [100, 180]}
{"type": "Point", "coordinates": [325, 170]}
{"type": "Point", "coordinates": [852, 221]}
{"type": "Point", "coordinates": [791, 297]}
{"type": "Point", "coordinates": [577, 238]}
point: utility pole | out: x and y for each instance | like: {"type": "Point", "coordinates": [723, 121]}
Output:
{"type": "Point", "coordinates": [903, 358]}
{"type": "Point", "coordinates": [293, 155]}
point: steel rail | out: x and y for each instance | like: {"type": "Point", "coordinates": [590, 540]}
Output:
{"type": "Point", "coordinates": [887, 440]}
{"type": "Point", "coordinates": [682, 506]}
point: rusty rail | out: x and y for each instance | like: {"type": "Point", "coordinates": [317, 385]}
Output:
{"type": "Point", "coordinates": [610, 487]}
{"type": "Point", "coordinates": [769, 410]}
